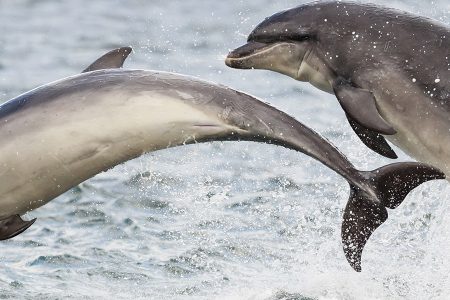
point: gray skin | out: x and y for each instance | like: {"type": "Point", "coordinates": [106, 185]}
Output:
{"type": "Point", "coordinates": [81, 126]}
{"type": "Point", "coordinates": [111, 60]}
{"type": "Point", "coordinates": [60, 134]}
{"type": "Point", "coordinates": [378, 61]}
{"type": "Point", "coordinates": [13, 225]}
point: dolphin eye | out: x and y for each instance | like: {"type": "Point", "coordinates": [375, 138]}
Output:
{"type": "Point", "coordinates": [301, 37]}
{"type": "Point", "coordinates": [295, 37]}
{"type": "Point", "coordinates": [277, 37]}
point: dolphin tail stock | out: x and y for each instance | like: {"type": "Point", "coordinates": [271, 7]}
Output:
{"type": "Point", "coordinates": [364, 213]}
{"type": "Point", "coordinates": [12, 226]}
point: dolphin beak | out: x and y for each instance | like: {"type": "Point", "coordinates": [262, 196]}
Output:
{"type": "Point", "coordinates": [284, 57]}
{"type": "Point", "coordinates": [240, 58]}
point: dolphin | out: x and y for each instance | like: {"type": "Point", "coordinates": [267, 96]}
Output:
{"type": "Point", "coordinates": [389, 70]}
{"type": "Point", "coordinates": [62, 133]}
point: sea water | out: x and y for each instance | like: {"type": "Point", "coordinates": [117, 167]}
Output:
{"type": "Point", "coordinates": [234, 220]}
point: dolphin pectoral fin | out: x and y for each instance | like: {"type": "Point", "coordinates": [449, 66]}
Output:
{"type": "Point", "coordinates": [364, 213]}
{"type": "Point", "coordinates": [372, 139]}
{"type": "Point", "coordinates": [360, 105]}
{"type": "Point", "coordinates": [12, 226]}
{"type": "Point", "coordinates": [111, 60]}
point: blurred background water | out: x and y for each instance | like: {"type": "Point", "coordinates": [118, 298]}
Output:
{"type": "Point", "coordinates": [209, 221]}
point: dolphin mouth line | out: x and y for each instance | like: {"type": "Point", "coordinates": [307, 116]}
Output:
{"type": "Point", "coordinates": [248, 51]}
{"type": "Point", "coordinates": [206, 125]}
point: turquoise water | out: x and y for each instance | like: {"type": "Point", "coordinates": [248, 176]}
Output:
{"type": "Point", "coordinates": [209, 221]}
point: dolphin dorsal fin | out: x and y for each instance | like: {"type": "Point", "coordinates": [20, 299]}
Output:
{"type": "Point", "coordinates": [111, 60]}
{"type": "Point", "coordinates": [360, 105]}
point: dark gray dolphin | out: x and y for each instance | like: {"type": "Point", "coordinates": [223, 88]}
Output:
{"type": "Point", "coordinates": [389, 70]}
{"type": "Point", "coordinates": [60, 134]}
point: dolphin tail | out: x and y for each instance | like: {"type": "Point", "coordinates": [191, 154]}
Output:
{"type": "Point", "coordinates": [12, 226]}
{"type": "Point", "coordinates": [364, 213]}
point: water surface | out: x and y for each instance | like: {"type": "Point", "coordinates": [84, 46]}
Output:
{"type": "Point", "coordinates": [209, 221]}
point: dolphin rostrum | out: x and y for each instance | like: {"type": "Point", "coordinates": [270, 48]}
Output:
{"type": "Point", "coordinates": [60, 134]}
{"type": "Point", "coordinates": [389, 70]}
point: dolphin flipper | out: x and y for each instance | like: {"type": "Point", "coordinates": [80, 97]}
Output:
{"type": "Point", "coordinates": [364, 214]}
{"type": "Point", "coordinates": [372, 139]}
{"type": "Point", "coordinates": [360, 105]}
{"type": "Point", "coordinates": [111, 60]}
{"type": "Point", "coordinates": [12, 226]}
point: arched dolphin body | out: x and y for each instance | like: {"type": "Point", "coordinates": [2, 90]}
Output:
{"type": "Point", "coordinates": [60, 134]}
{"type": "Point", "coordinates": [389, 70]}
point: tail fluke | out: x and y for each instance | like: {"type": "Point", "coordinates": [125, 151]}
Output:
{"type": "Point", "coordinates": [362, 216]}
{"type": "Point", "coordinates": [364, 213]}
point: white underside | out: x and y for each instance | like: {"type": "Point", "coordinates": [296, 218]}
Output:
{"type": "Point", "coordinates": [423, 131]}
{"type": "Point", "coordinates": [310, 73]}
{"type": "Point", "coordinates": [50, 148]}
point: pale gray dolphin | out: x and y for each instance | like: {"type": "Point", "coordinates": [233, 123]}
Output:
{"type": "Point", "coordinates": [60, 134]}
{"type": "Point", "coordinates": [389, 70]}
{"type": "Point", "coordinates": [12, 226]}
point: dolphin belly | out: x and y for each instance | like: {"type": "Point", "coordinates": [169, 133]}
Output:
{"type": "Point", "coordinates": [426, 142]}
{"type": "Point", "coordinates": [422, 123]}
{"type": "Point", "coordinates": [45, 152]}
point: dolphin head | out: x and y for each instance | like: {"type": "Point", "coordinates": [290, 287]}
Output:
{"type": "Point", "coordinates": [286, 43]}
{"type": "Point", "coordinates": [296, 24]}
